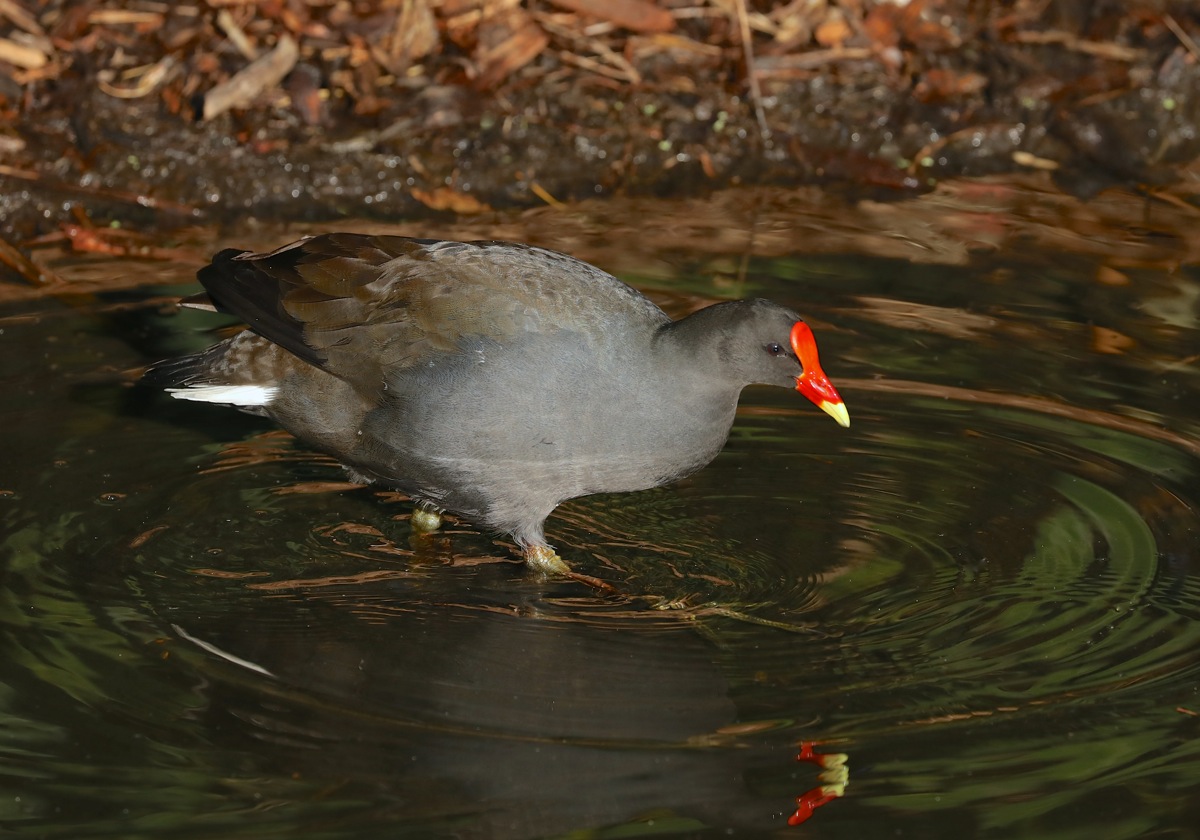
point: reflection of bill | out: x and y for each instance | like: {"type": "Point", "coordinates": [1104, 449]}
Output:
{"type": "Point", "coordinates": [834, 774]}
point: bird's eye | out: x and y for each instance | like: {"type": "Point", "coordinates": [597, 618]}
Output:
{"type": "Point", "coordinates": [775, 348]}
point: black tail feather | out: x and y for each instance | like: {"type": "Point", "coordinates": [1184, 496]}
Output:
{"type": "Point", "coordinates": [182, 371]}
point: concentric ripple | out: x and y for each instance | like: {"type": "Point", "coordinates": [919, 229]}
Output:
{"type": "Point", "coordinates": [986, 592]}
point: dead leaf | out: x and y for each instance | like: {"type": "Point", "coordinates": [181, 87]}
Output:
{"type": "Point", "coordinates": [20, 17]}
{"type": "Point", "coordinates": [1109, 276]}
{"type": "Point", "coordinates": [635, 15]}
{"type": "Point", "coordinates": [881, 25]}
{"type": "Point", "coordinates": [924, 28]}
{"type": "Point", "coordinates": [445, 198]}
{"type": "Point", "coordinates": [507, 42]}
{"type": "Point", "coordinates": [1109, 341]}
{"type": "Point", "coordinates": [939, 84]}
{"type": "Point", "coordinates": [833, 31]}
{"type": "Point", "coordinates": [119, 17]}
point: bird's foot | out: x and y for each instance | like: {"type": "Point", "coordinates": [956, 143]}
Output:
{"type": "Point", "coordinates": [424, 538]}
{"type": "Point", "coordinates": [545, 561]}
{"type": "Point", "coordinates": [425, 520]}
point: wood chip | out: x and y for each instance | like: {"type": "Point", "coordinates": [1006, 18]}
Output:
{"type": "Point", "coordinates": [22, 56]}
{"type": "Point", "coordinates": [461, 17]}
{"type": "Point", "coordinates": [678, 45]}
{"type": "Point", "coordinates": [118, 17]}
{"type": "Point", "coordinates": [636, 15]}
{"type": "Point", "coordinates": [413, 36]}
{"type": "Point", "coordinates": [507, 42]}
{"type": "Point", "coordinates": [247, 84]}
{"type": "Point", "coordinates": [1023, 158]}
{"type": "Point", "coordinates": [20, 17]}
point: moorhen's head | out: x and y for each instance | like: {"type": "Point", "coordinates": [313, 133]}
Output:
{"type": "Point", "coordinates": [767, 344]}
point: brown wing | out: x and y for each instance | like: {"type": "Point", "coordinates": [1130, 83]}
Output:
{"type": "Point", "coordinates": [358, 305]}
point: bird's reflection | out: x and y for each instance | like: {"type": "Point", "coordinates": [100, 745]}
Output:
{"type": "Point", "coordinates": [505, 723]}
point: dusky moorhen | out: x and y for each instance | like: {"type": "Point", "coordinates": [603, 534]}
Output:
{"type": "Point", "coordinates": [491, 379]}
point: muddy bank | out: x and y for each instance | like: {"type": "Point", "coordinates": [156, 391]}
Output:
{"type": "Point", "coordinates": [107, 115]}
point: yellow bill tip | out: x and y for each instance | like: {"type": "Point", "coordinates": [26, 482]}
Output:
{"type": "Point", "coordinates": [837, 411]}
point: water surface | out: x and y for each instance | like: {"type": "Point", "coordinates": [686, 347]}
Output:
{"type": "Point", "coordinates": [986, 592]}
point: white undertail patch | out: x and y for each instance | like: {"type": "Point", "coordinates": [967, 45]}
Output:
{"type": "Point", "coordinates": [243, 395]}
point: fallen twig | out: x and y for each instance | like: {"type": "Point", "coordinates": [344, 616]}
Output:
{"type": "Point", "coordinates": [1182, 35]}
{"type": "Point", "coordinates": [787, 65]}
{"type": "Point", "coordinates": [25, 267]}
{"type": "Point", "coordinates": [148, 78]}
{"type": "Point", "coordinates": [748, 52]}
{"type": "Point", "coordinates": [617, 68]}
{"type": "Point", "coordinates": [236, 35]}
{"type": "Point", "coordinates": [629, 76]}
{"type": "Point", "coordinates": [1115, 52]}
